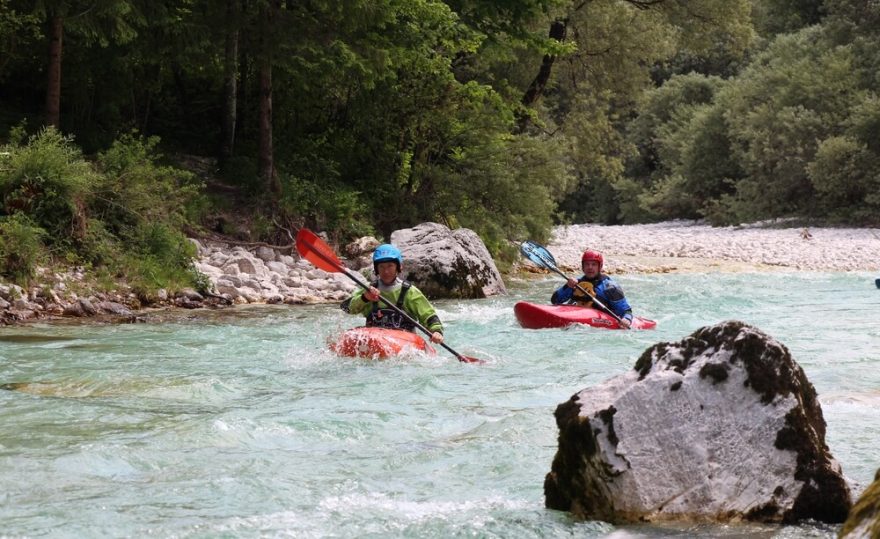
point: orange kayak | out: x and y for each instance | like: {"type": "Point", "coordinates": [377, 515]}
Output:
{"type": "Point", "coordinates": [379, 343]}
{"type": "Point", "coordinates": [535, 316]}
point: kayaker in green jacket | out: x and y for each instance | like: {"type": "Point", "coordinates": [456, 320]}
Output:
{"type": "Point", "coordinates": [387, 262]}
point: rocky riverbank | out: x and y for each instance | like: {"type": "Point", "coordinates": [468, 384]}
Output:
{"type": "Point", "coordinates": [239, 273]}
{"type": "Point", "coordinates": [259, 273]}
{"type": "Point", "coordinates": [688, 246]}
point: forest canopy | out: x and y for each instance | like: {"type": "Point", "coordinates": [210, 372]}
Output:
{"type": "Point", "coordinates": [365, 116]}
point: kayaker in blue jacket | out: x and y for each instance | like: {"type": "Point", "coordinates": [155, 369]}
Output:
{"type": "Point", "coordinates": [596, 283]}
{"type": "Point", "coordinates": [387, 262]}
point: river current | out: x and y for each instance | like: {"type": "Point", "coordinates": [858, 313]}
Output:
{"type": "Point", "coordinates": [240, 423]}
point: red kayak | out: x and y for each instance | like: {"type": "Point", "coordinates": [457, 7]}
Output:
{"type": "Point", "coordinates": [379, 343]}
{"type": "Point", "coordinates": [535, 316]}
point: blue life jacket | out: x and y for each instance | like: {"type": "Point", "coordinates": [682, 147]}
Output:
{"type": "Point", "coordinates": [605, 290]}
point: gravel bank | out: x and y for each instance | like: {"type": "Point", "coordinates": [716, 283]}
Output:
{"type": "Point", "coordinates": [687, 246]}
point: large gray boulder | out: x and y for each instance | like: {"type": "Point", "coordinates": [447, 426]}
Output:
{"type": "Point", "coordinates": [864, 519]}
{"type": "Point", "coordinates": [446, 263]}
{"type": "Point", "coordinates": [721, 426]}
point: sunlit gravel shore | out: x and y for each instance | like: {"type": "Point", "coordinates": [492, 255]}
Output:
{"type": "Point", "coordinates": [688, 246]}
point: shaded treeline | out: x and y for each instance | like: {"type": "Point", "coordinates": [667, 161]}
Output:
{"type": "Point", "coordinates": [362, 116]}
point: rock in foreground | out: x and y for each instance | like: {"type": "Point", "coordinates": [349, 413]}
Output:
{"type": "Point", "coordinates": [864, 519]}
{"type": "Point", "coordinates": [722, 426]}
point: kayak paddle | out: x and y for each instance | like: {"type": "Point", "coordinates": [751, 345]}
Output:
{"type": "Point", "coordinates": [542, 257]}
{"type": "Point", "coordinates": [316, 251]}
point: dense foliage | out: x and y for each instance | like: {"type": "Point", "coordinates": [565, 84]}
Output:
{"type": "Point", "coordinates": [121, 214]}
{"type": "Point", "coordinates": [793, 134]}
{"type": "Point", "coordinates": [364, 116]}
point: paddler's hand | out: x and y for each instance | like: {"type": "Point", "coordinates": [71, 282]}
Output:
{"type": "Point", "coordinates": [626, 323]}
{"type": "Point", "coordinates": [436, 337]}
{"type": "Point", "coordinates": [572, 283]}
{"type": "Point", "coordinates": [372, 294]}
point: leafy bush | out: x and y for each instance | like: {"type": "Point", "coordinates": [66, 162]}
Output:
{"type": "Point", "coordinates": [99, 246]}
{"type": "Point", "coordinates": [503, 188]}
{"type": "Point", "coordinates": [144, 205]}
{"type": "Point", "coordinates": [122, 216]}
{"type": "Point", "coordinates": [135, 189]}
{"type": "Point", "coordinates": [49, 181]}
{"type": "Point", "coordinates": [21, 247]}
{"type": "Point", "coordinates": [329, 206]}
{"type": "Point", "coordinates": [798, 92]}
{"type": "Point", "coordinates": [845, 176]}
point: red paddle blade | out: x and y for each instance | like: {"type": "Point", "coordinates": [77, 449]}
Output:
{"type": "Point", "coordinates": [313, 249]}
{"type": "Point", "coordinates": [468, 359]}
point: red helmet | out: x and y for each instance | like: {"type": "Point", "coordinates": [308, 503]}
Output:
{"type": "Point", "coordinates": [593, 256]}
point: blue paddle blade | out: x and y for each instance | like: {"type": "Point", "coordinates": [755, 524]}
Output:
{"type": "Point", "coordinates": [538, 254]}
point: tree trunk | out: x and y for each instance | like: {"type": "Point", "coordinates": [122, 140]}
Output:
{"type": "Point", "coordinates": [267, 165]}
{"type": "Point", "coordinates": [266, 159]}
{"type": "Point", "coordinates": [53, 72]}
{"type": "Point", "coordinates": [230, 93]}
{"type": "Point", "coordinates": [558, 31]}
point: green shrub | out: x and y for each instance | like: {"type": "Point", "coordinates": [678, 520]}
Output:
{"type": "Point", "coordinates": [160, 241]}
{"type": "Point", "coordinates": [21, 247]}
{"type": "Point", "coordinates": [49, 181]}
{"type": "Point", "coordinates": [98, 247]}
{"type": "Point", "coordinates": [122, 217]}
{"type": "Point", "coordinates": [330, 206]}
{"type": "Point", "coordinates": [134, 188]}
{"type": "Point", "coordinates": [143, 205]}
{"type": "Point", "coordinates": [846, 180]}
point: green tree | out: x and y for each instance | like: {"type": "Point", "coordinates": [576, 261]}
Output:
{"type": "Point", "coordinates": [794, 95]}
{"type": "Point", "coordinates": [845, 170]}
{"type": "Point", "coordinates": [600, 85]}
{"type": "Point", "coordinates": [773, 17]}
{"type": "Point", "coordinates": [846, 179]}
{"type": "Point", "coordinates": [86, 22]}
{"type": "Point", "coordinates": [17, 30]}
{"type": "Point", "coordinates": [684, 154]}
{"type": "Point", "coordinates": [384, 108]}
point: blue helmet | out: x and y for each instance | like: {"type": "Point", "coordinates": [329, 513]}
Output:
{"type": "Point", "coordinates": [387, 253]}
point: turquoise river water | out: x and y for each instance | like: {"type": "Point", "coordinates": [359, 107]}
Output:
{"type": "Point", "coordinates": [239, 423]}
